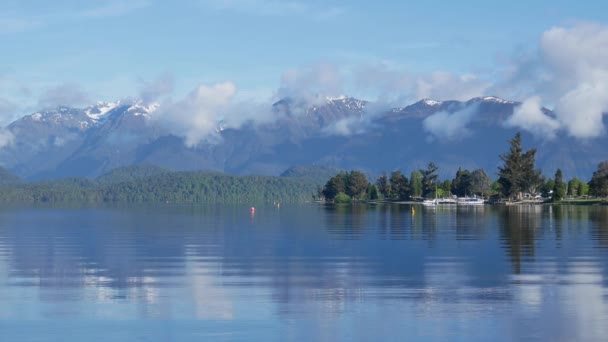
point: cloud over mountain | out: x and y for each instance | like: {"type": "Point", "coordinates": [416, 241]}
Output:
{"type": "Point", "coordinates": [446, 126]}
{"type": "Point", "coordinates": [393, 83]}
{"type": "Point", "coordinates": [67, 94]}
{"type": "Point", "coordinates": [7, 109]}
{"type": "Point", "coordinates": [152, 90]}
{"type": "Point", "coordinates": [196, 117]}
{"type": "Point", "coordinates": [311, 84]}
{"type": "Point", "coordinates": [573, 62]}
{"type": "Point", "coordinates": [6, 138]}
{"type": "Point", "coordinates": [529, 116]}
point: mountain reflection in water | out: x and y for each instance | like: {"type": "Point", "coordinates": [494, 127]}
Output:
{"type": "Point", "coordinates": [309, 272]}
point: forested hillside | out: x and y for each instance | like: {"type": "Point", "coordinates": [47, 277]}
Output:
{"type": "Point", "coordinates": [156, 185]}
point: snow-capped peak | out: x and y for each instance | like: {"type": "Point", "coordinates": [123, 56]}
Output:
{"type": "Point", "coordinates": [98, 110]}
{"type": "Point", "coordinates": [140, 108]}
{"type": "Point", "coordinates": [336, 98]}
{"type": "Point", "coordinates": [430, 102]}
{"type": "Point", "coordinates": [495, 99]}
{"type": "Point", "coordinates": [347, 101]}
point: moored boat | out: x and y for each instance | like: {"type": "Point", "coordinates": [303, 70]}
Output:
{"type": "Point", "coordinates": [429, 202]}
{"type": "Point", "coordinates": [470, 201]}
{"type": "Point", "coordinates": [446, 200]}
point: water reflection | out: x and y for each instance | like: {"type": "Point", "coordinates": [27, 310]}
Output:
{"type": "Point", "coordinates": [314, 272]}
{"type": "Point", "coordinates": [518, 228]}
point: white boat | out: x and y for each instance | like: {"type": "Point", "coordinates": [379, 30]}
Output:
{"type": "Point", "coordinates": [446, 200]}
{"type": "Point", "coordinates": [470, 201]}
{"type": "Point", "coordinates": [429, 202]}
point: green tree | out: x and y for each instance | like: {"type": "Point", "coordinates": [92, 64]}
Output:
{"type": "Point", "coordinates": [383, 185]}
{"type": "Point", "coordinates": [462, 183]}
{"type": "Point", "coordinates": [399, 186]}
{"type": "Point", "coordinates": [446, 188]}
{"type": "Point", "coordinates": [547, 188]}
{"type": "Point", "coordinates": [583, 189]}
{"type": "Point", "coordinates": [318, 194]}
{"type": "Point", "coordinates": [356, 184]}
{"type": "Point", "coordinates": [334, 186]}
{"type": "Point", "coordinates": [342, 198]}
{"type": "Point", "coordinates": [518, 174]}
{"type": "Point", "coordinates": [598, 186]}
{"type": "Point", "coordinates": [372, 192]}
{"type": "Point", "coordinates": [559, 190]}
{"type": "Point", "coordinates": [480, 183]}
{"type": "Point", "coordinates": [429, 179]}
{"type": "Point", "coordinates": [416, 184]}
{"type": "Point", "coordinates": [496, 187]}
{"type": "Point", "coordinates": [573, 187]}
{"type": "Point", "coordinates": [440, 193]}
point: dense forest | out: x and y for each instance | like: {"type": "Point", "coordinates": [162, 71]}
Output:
{"type": "Point", "coordinates": [148, 184]}
{"type": "Point", "coordinates": [518, 180]}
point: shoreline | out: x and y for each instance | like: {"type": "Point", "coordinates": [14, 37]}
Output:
{"type": "Point", "coordinates": [602, 201]}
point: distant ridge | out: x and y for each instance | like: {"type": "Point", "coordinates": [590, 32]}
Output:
{"type": "Point", "coordinates": [130, 173]}
{"type": "Point", "coordinates": [334, 132]}
{"type": "Point", "coordinates": [319, 174]}
{"type": "Point", "coordinates": [8, 179]}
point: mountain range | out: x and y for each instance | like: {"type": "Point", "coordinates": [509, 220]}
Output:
{"type": "Point", "coordinates": [340, 132]}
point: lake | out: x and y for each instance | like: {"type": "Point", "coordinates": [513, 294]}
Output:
{"type": "Point", "coordinates": [304, 273]}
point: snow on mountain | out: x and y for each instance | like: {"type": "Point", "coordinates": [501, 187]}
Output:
{"type": "Point", "coordinates": [100, 109]}
{"type": "Point", "coordinates": [86, 142]}
{"type": "Point", "coordinates": [140, 108]}
{"type": "Point", "coordinates": [349, 102]}
{"type": "Point", "coordinates": [493, 99]}
{"type": "Point", "coordinates": [57, 116]}
{"type": "Point", "coordinates": [430, 102]}
{"type": "Point", "coordinates": [421, 108]}
{"type": "Point", "coordinates": [330, 99]}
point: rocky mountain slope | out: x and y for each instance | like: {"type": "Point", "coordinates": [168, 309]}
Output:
{"type": "Point", "coordinates": [340, 132]}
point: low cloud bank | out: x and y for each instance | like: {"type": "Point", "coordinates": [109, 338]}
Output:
{"type": "Point", "coordinates": [453, 126]}
{"type": "Point", "coordinates": [574, 65]}
{"type": "Point", "coordinates": [529, 116]}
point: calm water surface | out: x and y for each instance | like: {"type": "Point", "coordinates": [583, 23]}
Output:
{"type": "Point", "coordinates": [304, 273]}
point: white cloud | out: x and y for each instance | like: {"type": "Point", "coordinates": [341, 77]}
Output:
{"type": "Point", "coordinates": [390, 81]}
{"type": "Point", "coordinates": [67, 94]}
{"type": "Point", "coordinates": [8, 110]}
{"type": "Point", "coordinates": [200, 116]}
{"type": "Point", "coordinates": [577, 52]}
{"type": "Point", "coordinates": [196, 117]}
{"type": "Point", "coordinates": [153, 90]}
{"type": "Point", "coordinates": [358, 124]}
{"type": "Point", "coordinates": [529, 116]}
{"type": "Point", "coordinates": [572, 66]}
{"type": "Point", "coordinates": [346, 127]}
{"type": "Point", "coordinates": [6, 138]}
{"type": "Point", "coordinates": [311, 84]}
{"type": "Point", "coordinates": [578, 57]}
{"type": "Point", "coordinates": [581, 110]}
{"type": "Point", "coordinates": [449, 86]}
{"type": "Point", "coordinates": [450, 125]}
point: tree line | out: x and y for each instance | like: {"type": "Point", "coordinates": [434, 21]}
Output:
{"type": "Point", "coordinates": [164, 187]}
{"type": "Point", "coordinates": [518, 178]}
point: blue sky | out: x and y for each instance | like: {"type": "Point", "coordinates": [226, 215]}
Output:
{"type": "Point", "coordinates": [81, 51]}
